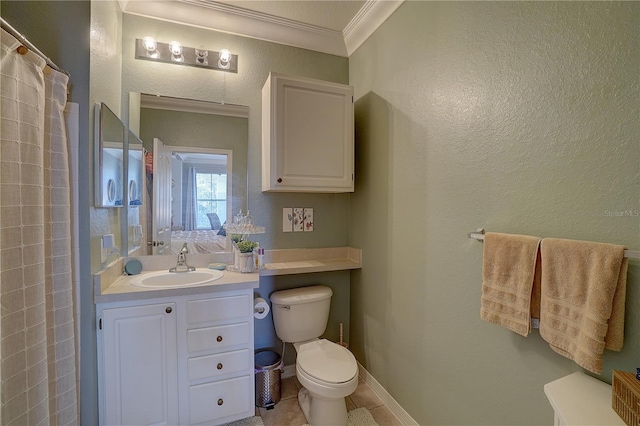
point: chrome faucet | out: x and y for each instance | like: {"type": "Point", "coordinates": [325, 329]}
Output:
{"type": "Point", "coordinates": [181, 265]}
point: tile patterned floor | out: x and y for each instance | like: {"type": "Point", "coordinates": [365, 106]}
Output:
{"type": "Point", "coordinates": [287, 412]}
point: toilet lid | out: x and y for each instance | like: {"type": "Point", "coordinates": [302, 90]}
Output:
{"type": "Point", "coordinates": [327, 361]}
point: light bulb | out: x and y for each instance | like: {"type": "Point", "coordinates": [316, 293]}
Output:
{"type": "Point", "coordinates": [149, 43]}
{"type": "Point", "coordinates": [176, 51]}
{"type": "Point", "coordinates": [150, 46]}
{"type": "Point", "coordinates": [225, 55]}
{"type": "Point", "coordinates": [175, 48]}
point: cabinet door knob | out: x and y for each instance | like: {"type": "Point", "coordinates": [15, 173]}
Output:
{"type": "Point", "coordinates": [219, 366]}
{"type": "Point", "coordinates": [279, 180]}
{"type": "Point", "coordinates": [220, 401]}
{"type": "Point", "coordinates": [219, 338]}
{"type": "Point", "coordinates": [168, 310]}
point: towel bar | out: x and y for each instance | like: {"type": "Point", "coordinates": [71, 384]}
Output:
{"type": "Point", "coordinates": [479, 236]}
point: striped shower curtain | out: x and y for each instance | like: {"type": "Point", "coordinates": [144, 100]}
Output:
{"type": "Point", "coordinates": [38, 361]}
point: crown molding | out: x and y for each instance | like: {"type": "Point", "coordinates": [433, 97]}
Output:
{"type": "Point", "coordinates": [235, 20]}
{"type": "Point", "coordinates": [213, 15]}
{"type": "Point", "coordinates": [366, 21]}
{"type": "Point", "coordinates": [259, 16]}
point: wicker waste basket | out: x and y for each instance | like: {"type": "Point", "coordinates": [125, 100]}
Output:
{"type": "Point", "coordinates": [268, 365]}
{"type": "Point", "coordinates": [626, 396]}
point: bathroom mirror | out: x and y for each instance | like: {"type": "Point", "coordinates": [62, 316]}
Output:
{"type": "Point", "coordinates": [207, 144]}
{"type": "Point", "coordinates": [109, 150]}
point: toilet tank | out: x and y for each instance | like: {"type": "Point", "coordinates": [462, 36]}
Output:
{"type": "Point", "coordinates": [301, 313]}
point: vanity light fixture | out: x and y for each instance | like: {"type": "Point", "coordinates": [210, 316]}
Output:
{"type": "Point", "coordinates": [174, 53]}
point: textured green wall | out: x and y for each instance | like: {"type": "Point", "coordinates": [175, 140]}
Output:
{"type": "Point", "coordinates": [520, 117]}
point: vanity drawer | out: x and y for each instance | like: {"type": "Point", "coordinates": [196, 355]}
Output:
{"type": "Point", "coordinates": [218, 309]}
{"type": "Point", "coordinates": [213, 338]}
{"type": "Point", "coordinates": [219, 364]}
{"type": "Point", "coordinates": [217, 400]}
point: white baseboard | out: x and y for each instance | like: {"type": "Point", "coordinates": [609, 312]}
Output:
{"type": "Point", "coordinates": [382, 393]}
{"type": "Point", "coordinates": [376, 387]}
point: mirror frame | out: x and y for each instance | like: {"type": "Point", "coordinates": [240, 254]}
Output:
{"type": "Point", "coordinates": [102, 192]}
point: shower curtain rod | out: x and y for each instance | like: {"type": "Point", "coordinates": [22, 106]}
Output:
{"type": "Point", "coordinates": [8, 28]}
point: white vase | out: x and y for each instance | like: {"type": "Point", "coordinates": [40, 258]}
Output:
{"type": "Point", "coordinates": [246, 262]}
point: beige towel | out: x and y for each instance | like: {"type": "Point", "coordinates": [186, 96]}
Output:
{"type": "Point", "coordinates": [508, 268]}
{"type": "Point", "coordinates": [583, 296]}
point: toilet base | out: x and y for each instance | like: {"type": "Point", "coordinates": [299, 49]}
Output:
{"type": "Point", "coordinates": [321, 411]}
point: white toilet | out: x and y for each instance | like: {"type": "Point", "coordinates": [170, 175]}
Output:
{"type": "Point", "coordinates": [328, 371]}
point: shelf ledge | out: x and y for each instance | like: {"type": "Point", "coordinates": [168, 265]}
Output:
{"type": "Point", "coordinates": [303, 261]}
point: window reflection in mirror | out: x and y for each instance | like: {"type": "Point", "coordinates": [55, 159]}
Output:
{"type": "Point", "coordinates": [202, 178]}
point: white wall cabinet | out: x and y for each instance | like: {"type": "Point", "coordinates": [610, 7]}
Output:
{"type": "Point", "coordinates": [307, 135]}
{"type": "Point", "coordinates": [179, 360]}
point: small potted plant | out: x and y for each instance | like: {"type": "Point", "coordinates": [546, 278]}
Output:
{"type": "Point", "coordinates": [245, 248]}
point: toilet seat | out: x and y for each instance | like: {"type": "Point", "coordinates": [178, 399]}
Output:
{"type": "Point", "coordinates": [326, 362]}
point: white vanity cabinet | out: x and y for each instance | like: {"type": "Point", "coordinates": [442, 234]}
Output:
{"type": "Point", "coordinates": [178, 360]}
{"type": "Point", "coordinates": [307, 135]}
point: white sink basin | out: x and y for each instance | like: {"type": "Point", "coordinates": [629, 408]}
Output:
{"type": "Point", "coordinates": [164, 279]}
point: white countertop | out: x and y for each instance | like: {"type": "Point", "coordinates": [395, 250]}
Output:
{"type": "Point", "coordinates": [111, 286]}
{"type": "Point", "coordinates": [122, 290]}
{"type": "Point", "coordinates": [579, 399]}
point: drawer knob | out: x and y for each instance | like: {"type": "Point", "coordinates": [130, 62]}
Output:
{"type": "Point", "coordinates": [220, 401]}
{"type": "Point", "coordinates": [279, 180]}
{"type": "Point", "coordinates": [219, 339]}
{"type": "Point", "coordinates": [219, 366]}
{"type": "Point", "coordinates": [168, 310]}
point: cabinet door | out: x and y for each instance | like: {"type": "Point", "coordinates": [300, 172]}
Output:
{"type": "Point", "coordinates": [140, 365]}
{"type": "Point", "coordinates": [309, 130]}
